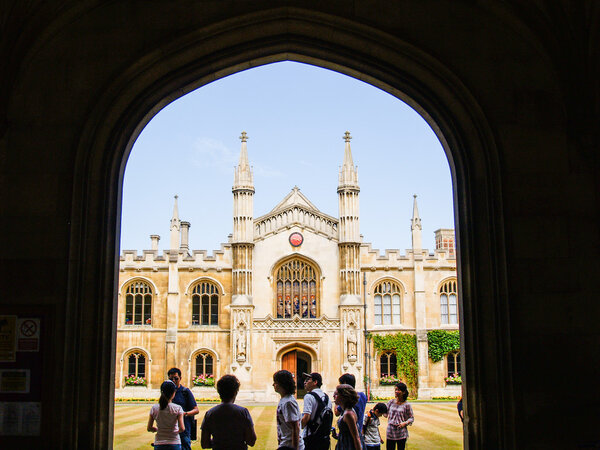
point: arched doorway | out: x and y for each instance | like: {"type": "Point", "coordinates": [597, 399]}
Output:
{"type": "Point", "coordinates": [297, 362]}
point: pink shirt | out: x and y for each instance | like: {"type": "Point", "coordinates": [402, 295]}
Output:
{"type": "Point", "coordinates": [396, 414]}
{"type": "Point", "coordinates": [166, 422]}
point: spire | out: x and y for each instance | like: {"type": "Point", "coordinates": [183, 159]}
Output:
{"type": "Point", "coordinates": [243, 172]}
{"type": "Point", "coordinates": [175, 217]}
{"type": "Point", "coordinates": [415, 226]}
{"type": "Point", "coordinates": [347, 150]}
{"type": "Point", "coordinates": [348, 173]}
{"type": "Point", "coordinates": [175, 226]}
{"type": "Point", "coordinates": [416, 220]}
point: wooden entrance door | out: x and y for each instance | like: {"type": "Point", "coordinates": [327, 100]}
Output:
{"type": "Point", "coordinates": [289, 361]}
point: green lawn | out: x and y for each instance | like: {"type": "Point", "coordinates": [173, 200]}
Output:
{"type": "Point", "coordinates": [436, 426]}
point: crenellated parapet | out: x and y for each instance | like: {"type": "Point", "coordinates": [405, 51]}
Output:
{"type": "Point", "coordinates": [440, 259]}
{"type": "Point", "coordinates": [197, 260]}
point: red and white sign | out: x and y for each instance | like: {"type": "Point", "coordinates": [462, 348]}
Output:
{"type": "Point", "coordinates": [28, 338]}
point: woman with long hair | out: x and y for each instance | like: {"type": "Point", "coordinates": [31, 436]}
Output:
{"type": "Point", "coordinates": [288, 413]}
{"type": "Point", "coordinates": [348, 438]}
{"type": "Point", "coordinates": [400, 416]}
{"type": "Point", "coordinates": [169, 419]}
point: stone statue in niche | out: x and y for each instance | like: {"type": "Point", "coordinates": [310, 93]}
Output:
{"type": "Point", "coordinates": [352, 344]}
{"type": "Point", "coordinates": [241, 336]}
{"type": "Point", "coordinates": [352, 336]}
{"type": "Point", "coordinates": [241, 343]}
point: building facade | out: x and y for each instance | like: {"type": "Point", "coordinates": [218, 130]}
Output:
{"type": "Point", "coordinates": [288, 290]}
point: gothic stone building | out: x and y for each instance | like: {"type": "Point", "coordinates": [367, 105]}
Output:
{"type": "Point", "coordinates": [286, 291]}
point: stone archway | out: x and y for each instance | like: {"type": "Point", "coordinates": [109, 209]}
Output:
{"type": "Point", "coordinates": [312, 54]}
{"type": "Point", "coordinates": [173, 53]}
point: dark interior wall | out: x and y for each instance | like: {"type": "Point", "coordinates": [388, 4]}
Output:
{"type": "Point", "coordinates": [511, 88]}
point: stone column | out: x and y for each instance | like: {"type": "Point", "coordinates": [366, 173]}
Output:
{"type": "Point", "coordinates": [173, 299]}
{"type": "Point", "coordinates": [421, 325]}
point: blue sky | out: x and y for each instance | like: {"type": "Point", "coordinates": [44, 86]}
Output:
{"type": "Point", "coordinates": [295, 116]}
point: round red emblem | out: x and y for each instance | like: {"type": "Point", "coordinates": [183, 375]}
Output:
{"type": "Point", "coordinates": [296, 239]}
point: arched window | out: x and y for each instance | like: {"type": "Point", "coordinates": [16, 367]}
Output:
{"type": "Point", "coordinates": [453, 360]}
{"type": "Point", "coordinates": [205, 304]}
{"type": "Point", "coordinates": [138, 304]}
{"type": "Point", "coordinates": [136, 365]}
{"type": "Point", "coordinates": [449, 302]}
{"type": "Point", "coordinates": [387, 365]}
{"type": "Point", "coordinates": [387, 303]}
{"type": "Point", "coordinates": [204, 364]}
{"type": "Point", "coordinates": [297, 290]}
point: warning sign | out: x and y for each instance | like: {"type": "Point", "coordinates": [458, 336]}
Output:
{"type": "Point", "coordinates": [14, 381]}
{"type": "Point", "coordinates": [8, 341]}
{"type": "Point", "coordinates": [28, 339]}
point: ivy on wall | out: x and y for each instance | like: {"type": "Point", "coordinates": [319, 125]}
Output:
{"type": "Point", "coordinates": [404, 345]}
{"type": "Point", "coordinates": [442, 342]}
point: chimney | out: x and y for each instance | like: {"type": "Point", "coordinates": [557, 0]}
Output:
{"type": "Point", "coordinates": [185, 232]}
{"type": "Point", "coordinates": [154, 238]}
{"type": "Point", "coordinates": [444, 239]}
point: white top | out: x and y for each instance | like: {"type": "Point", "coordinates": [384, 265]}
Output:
{"type": "Point", "coordinates": [310, 406]}
{"type": "Point", "coordinates": [166, 422]}
{"type": "Point", "coordinates": [371, 430]}
{"type": "Point", "coordinates": [287, 411]}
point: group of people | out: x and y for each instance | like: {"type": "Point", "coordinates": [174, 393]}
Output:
{"type": "Point", "coordinates": [228, 426]}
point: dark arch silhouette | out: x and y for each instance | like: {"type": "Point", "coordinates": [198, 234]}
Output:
{"type": "Point", "coordinates": [504, 85]}
{"type": "Point", "coordinates": [413, 76]}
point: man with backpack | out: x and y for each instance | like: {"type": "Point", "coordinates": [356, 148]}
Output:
{"type": "Point", "coordinates": [317, 415]}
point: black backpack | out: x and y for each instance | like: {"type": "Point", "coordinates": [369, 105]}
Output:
{"type": "Point", "coordinates": [319, 428]}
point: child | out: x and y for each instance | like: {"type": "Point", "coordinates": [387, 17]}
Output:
{"type": "Point", "coordinates": [400, 416]}
{"type": "Point", "coordinates": [169, 419]}
{"type": "Point", "coordinates": [373, 439]}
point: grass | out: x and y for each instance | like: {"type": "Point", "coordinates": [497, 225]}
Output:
{"type": "Point", "coordinates": [436, 426]}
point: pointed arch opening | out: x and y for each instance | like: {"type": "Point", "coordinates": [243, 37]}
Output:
{"type": "Point", "coordinates": [188, 62]}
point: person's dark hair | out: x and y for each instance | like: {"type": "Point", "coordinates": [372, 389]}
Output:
{"type": "Point", "coordinates": [402, 387]}
{"type": "Point", "coordinates": [173, 371]}
{"type": "Point", "coordinates": [285, 379]}
{"type": "Point", "coordinates": [315, 376]}
{"type": "Point", "coordinates": [167, 389]}
{"type": "Point", "coordinates": [381, 407]}
{"type": "Point", "coordinates": [348, 378]}
{"type": "Point", "coordinates": [347, 395]}
{"type": "Point", "coordinates": [228, 387]}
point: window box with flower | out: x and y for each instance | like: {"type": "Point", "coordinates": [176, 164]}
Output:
{"type": "Point", "coordinates": [453, 379]}
{"type": "Point", "coordinates": [388, 380]}
{"type": "Point", "coordinates": [132, 380]}
{"type": "Point", "coordinates": [204, 380]}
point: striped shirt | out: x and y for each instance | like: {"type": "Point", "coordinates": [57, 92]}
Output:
{"type": "Point", "coordinates": [397, 414]}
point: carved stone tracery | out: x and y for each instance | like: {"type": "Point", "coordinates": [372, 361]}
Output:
{"type": "Point", "coordinates": [296, 323]}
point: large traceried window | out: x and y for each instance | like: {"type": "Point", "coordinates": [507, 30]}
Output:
{"type": "Point", "coordinates": [205, 304]}
{"type": "Point", "coordinates": [204, 364]}
{"type": "Point", "coordinates": [387, 365]}
{"type": "Point", "coordinates": [138, 304]}
{"type": "Point", "coordinates": [136, 365]}
{"type": "Point", "coordinates": [296, 290]}
{"type": "Point", "coordinates": [387, 303]}
{"type": "Point", "coordinates": [449, 303]}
